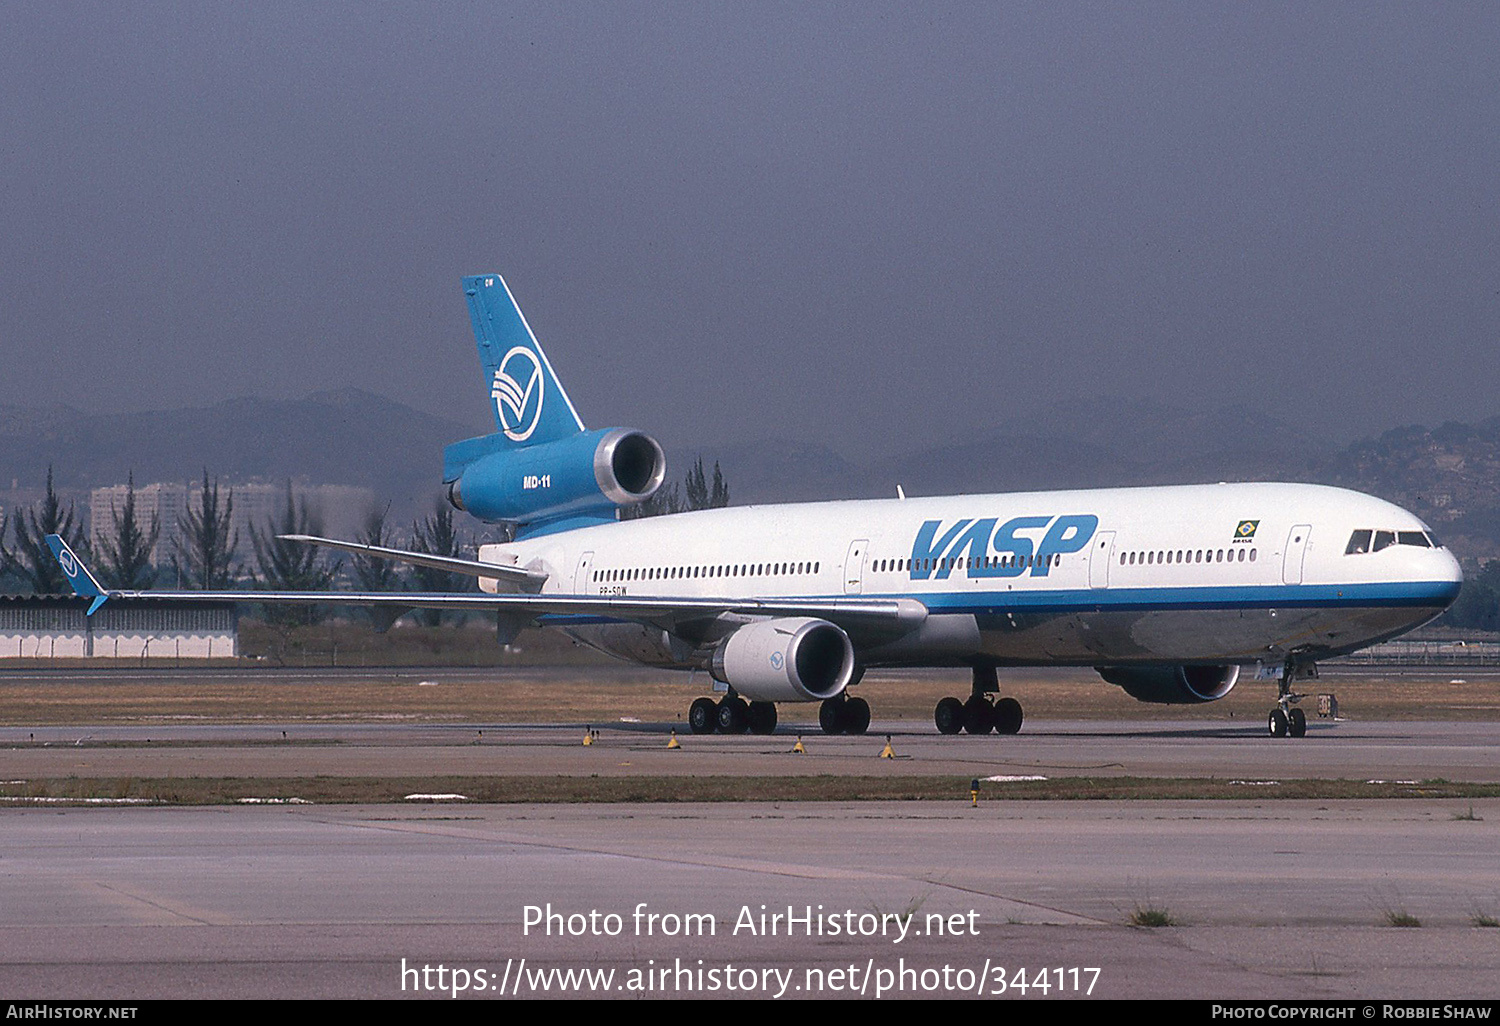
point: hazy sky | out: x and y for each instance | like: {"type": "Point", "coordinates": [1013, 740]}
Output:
{"type": "Point", "coordinates": [867, 225]}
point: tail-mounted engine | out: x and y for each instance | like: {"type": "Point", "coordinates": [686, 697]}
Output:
{"type": "Point", "coordinates": [1173, 685]}
{"type": "Point", "coordinates": [592, 472]}
{"type": "Point", "coordinates": [792, 659]}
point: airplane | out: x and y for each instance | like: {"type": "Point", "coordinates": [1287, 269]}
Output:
{"type": "Point", "coordinates": [1170, 593]}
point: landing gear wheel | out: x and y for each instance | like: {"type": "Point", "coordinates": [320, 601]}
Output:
{"type": "Point", "coordinates": [1297, 723]}
{"type": "Point", "coordinates": [1008, 716]}
{"type": "Point", "coordinates": [734, 716]}
{"type": "Point", "coordinates": [1277, 723]}
{"type": "Point", "coordinates": [703, 716]}
{"type": "Point", "coordinates": [856, 716]}
{"type": "Point", "coordinates": [831, 716]}
{"type": "Point", "coordinates": [949, 716]}
{"type": "Point", "coordinates": [762, 717]}
{"type": "Point", "coordinates": [979, 716]}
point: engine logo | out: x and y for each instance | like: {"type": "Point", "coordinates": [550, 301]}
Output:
{"type": "Point", "coordinates": [776, 660]}
{"type": "Point", "coordinates": [519, 408]}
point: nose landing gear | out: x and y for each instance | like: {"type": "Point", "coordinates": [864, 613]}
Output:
{"type": "Point", "coordinates": [1286, 720]}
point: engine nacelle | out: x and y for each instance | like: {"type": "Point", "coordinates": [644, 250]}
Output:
{"type": "Point", "coordinates": [590, 472]}
{"type": "Point", "coordinates": [791, 659]}
{"type": "Point", "coordinates": [1173, 685]}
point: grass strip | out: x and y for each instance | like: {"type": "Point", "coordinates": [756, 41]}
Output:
{"type": "Point", "coordinates": [610, 789]}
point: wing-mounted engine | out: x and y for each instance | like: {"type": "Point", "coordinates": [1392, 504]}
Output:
{"type": "Point", "coordinates": [789, 659]}
{"type": "Point", "coordinates": [1173, 685]}
{"type": "Point", "coordinates": [590, 473]}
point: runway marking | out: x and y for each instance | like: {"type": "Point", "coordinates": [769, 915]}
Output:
{"type": "Point", "coordinates": [171, 913]}
{"type": "Point", "coordinates": [1058, 917]}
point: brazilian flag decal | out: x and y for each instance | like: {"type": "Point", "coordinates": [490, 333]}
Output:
{"type": "Point", "coordinates": [1246, 530]}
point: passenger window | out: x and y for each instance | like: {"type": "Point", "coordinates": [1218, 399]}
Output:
{"type": "Point", "coordinates": [1252, 555]}
{"type": "Point", "coordinates": [1384, 539]}
{"type": "Point", "coordinates": [1359, 542]}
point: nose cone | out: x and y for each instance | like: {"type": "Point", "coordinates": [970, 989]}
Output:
{"type": "Point", "coordinates": [1447, 575]}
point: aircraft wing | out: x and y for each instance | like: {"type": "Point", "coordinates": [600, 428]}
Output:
{"type": "Point", "coordinates": [530, 580]}
{"type": "Point", "coordinates": [880, 614]}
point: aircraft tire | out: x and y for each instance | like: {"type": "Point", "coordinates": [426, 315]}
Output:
{"type": "Point", "coordinates": [1008, 716]}
{"type": "Point", "coordinates": [703, 716]}
{"type": "Point", "coordinates": [734, 716]}
{"type": "Point", "coordinates": [831, 715]}
{"type": "Point", "coordinates": [979, 716]}
{"type": "Point", "coordinates": [1297, 723]}
{"type": "Point", "coordinates": [949, 716]}
{"type": "Point", "coordinates": [762, 717]}
{"type": "Point", "coordinates": [856, 716]}
{"type": "Point", "coordinates": [1277, 723]}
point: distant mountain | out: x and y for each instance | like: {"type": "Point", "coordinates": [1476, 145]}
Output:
{"type": "Point", "coordinates": [1450, 475]}
{"type": "Point", "coordinates": [1089, 445]}
{"type": "Point", "coordinates": [344, 437]}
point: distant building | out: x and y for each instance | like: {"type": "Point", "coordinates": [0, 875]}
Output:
{"type": "Point", "coordinates": [58, 627]}
{"type": "Point", "coordinates": [341, 507]}
{"type": "Point", "coordinates": [162, 502]}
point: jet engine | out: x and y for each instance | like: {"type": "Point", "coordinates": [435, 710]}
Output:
{"type": "Point", "coordinates": [592, 472]}
{"type": "Point", "coordinates": [1173, 685]}
{"type": "Point", "coordinates": [791, 659]}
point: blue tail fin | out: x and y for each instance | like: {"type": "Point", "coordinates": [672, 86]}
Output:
{"type": "Point", "coordinates": [78, 575]}
{"type": "Point", "coordinates": [530, 404]}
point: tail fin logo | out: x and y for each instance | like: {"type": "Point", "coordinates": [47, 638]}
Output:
{"type": "Point", "coordinates": [519, 408]}
{"type": "Point", "coordinates": [69, 563]}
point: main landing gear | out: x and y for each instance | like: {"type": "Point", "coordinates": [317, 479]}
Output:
{"type": "Point", "coordinates": [977, 715]}
{"type": "Point", "coordinates": [731, 715]}
{"type": "Point", "coordinates": [844, 715]}
{"type": "Point", "coordinates": [1286, 720]}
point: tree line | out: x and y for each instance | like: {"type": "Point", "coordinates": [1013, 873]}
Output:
{"type": "Point", "coordinates": [208, 554]}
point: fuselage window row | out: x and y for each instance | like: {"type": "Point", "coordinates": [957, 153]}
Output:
{"type": "Point", "coordinates": [659, 573]}
{"type": "Point", "coordinates": [1173, 556]}
{"type": "Point", "coordinates": [969, 563]}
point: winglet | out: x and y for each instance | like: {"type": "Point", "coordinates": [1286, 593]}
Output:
{"type": "Point", "coordinates": [78, 575]}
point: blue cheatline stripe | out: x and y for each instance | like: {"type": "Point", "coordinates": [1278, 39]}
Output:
{"type": "Point", "coordinates": [1264, 596]}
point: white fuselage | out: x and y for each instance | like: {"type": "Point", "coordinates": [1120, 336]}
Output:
{"type": "Point", "coordinates": [1205, 574]}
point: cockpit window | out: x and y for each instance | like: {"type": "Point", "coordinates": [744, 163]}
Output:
{"type": "Point", "coordinates": [1362, 541]}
